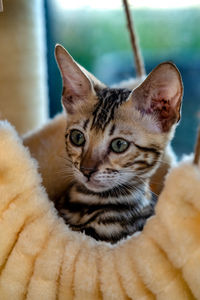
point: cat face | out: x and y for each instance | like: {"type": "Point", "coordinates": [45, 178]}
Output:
{"type": "Point", "coordinates": [116, 137]}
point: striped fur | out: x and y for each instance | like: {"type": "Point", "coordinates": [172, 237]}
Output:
{"type": "Point", "coordinates": [120, 211]}
{"type": "Point", "coordinates": [109, 196]}
{"type": "Point", "coordinates": [108, 216]}
{"type": "Point", "coordinates": [108, 101]}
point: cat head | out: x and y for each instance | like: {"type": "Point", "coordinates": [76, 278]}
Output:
{"type": "Point", "coordinates": [116, 137]}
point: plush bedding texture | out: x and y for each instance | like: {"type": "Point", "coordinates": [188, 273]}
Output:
{"type": "Point", "coordinates": [42, 259]}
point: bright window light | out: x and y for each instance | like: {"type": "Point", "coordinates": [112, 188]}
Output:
{"type": "Point", "coordinates": [117, 4]}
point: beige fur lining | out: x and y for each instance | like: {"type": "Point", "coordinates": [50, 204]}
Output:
{"type": "Point", "coordinates": [40, 258]}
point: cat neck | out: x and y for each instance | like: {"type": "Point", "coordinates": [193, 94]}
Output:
{"type": "Point", "coordinates": [109, 215]}
{"type": "Point", "coordinates": [133, 193]}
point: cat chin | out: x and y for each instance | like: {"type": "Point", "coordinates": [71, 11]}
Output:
{"type": "Point", "coordinates": [96, 187]}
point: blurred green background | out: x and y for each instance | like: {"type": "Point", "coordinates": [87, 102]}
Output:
{"type": "Point", "coordinates": [99, 40]}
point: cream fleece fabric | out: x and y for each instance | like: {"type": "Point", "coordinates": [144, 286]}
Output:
{"type": "Point", "coordinates": [41, 259]}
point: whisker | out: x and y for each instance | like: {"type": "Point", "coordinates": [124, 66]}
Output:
{"type": "Point", "coordinates": [64, 157]}
{"type": "Point", "coordinates": [140, 180]}
{"type": "Point", "coordinates": [124, 172]}
{"type": "Point", "coordinates": [146, 184]}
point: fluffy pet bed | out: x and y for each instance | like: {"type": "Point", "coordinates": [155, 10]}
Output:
{"type": "Point", "coordinates": [41, 259]}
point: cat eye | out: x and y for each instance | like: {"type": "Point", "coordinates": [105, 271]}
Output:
{"type": "Point", "coordinates": [119, 145]}
{"type": "Point", "coordinates": [77, 138]}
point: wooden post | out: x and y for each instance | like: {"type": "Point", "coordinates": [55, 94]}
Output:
{"type": "Point", "coordinates": [23, 84]}
{"type": "Point", "coordinates": [1, 5]}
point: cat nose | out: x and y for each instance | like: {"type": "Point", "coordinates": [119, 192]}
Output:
{"type": "Point", "coordinates": [87, 172]}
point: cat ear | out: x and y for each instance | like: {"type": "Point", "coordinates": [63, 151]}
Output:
{"type": "Point", "coordinates": [160, 95]}
{"type": "Point", "coordinates": [77, 87]}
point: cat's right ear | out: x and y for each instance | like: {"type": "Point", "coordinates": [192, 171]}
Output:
{"type": "Point", "coordinates": [159, 96]}
{"type": "Point", "coordinates": [77, 87]}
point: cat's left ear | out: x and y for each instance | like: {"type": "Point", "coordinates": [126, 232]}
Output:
{"type": "Point", "coordinates": [160, 95]}
{"type": "Point", "coordinates": [77, 87]}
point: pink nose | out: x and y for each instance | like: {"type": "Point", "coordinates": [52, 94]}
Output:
{"type": "Point", "coordinates": [87, 172]}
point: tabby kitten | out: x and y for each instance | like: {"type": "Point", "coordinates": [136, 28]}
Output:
{"type": "Point", "coordinates": [115, 139]}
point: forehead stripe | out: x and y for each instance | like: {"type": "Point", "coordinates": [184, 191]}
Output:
{"type": "Point", "coordinates": [109, 100]}
{"type": "Point", "coordinates": [112, 129]}
{"type": "Point", "coordinates": [85, 124]}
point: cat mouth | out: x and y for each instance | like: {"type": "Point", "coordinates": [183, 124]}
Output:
{"type": "Point", "coordinates": [96, 186]}
{"type": "Point", "coordinates": [113, 192]}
